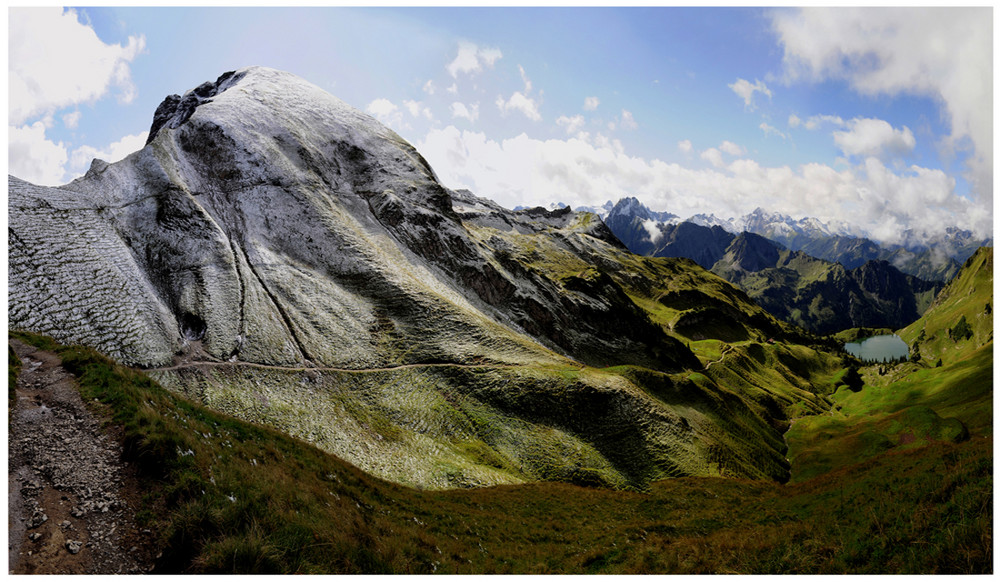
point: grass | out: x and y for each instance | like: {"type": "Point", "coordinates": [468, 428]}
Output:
{"type": "Point", "coordinates": [968, 296]}
{"type": "Point", "coordinates": [915, 403]}
{"type": "Point", "coordinates": [231, 497]}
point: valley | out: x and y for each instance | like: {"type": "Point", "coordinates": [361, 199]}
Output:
{"type": "Point", "coordinates": [316, 358]}
{"type": "Point", "coordinates": [820, 295]}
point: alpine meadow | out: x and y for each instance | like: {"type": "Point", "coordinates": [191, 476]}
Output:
{"type": "Point", "coordinates": [539, 291]}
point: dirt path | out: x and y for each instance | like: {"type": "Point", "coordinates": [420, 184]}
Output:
{"type": "Point", "coordinates": [217, 364]}
{"type": "Point", "coordinates": [722, 356]}
{"type": "Point", "coordinates": [71, 500]}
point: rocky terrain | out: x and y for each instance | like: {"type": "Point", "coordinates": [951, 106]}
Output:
{"type": "Point", "coordinates": [285, 258]}
{"type": "Point", "coordinates": [823, 296]}
{"type": "Point", "coordinates": [324, 355]}
{"type": "Point", "coordinates": [704, 239]}
{"type": "Point", "coordinates": [72, 504]}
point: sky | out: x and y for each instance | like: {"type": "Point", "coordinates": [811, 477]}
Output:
{"type": "Point", "coordinates": [880, 118]}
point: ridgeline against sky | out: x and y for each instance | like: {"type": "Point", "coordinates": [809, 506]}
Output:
{"type": "Point", "coordinates": [878, 117]}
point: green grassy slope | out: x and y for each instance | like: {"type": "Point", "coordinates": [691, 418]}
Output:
{"type": "Point", "coordinates": [970, 296]}
{"type": "Point", "coordinates": [915, 403]}
{"type": "Point", "coordinates": [225, 496]}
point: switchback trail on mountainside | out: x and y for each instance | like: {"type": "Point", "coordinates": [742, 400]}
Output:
{"type": "Point", "coordinates": [71, 502]}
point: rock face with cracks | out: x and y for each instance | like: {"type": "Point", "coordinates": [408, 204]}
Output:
{"type": "Point", "coordinates": [284, 257]}
{"type": "Point", "coordinates": [272, 223]}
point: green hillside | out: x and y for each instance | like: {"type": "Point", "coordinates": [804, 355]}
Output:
{"type": "Point", "coordinates": [248, 499]}
{"type": "Point", "coordinates": [944, 395]}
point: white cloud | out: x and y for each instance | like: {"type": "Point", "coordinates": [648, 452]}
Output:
{"type": "Point", "coordinates": [429, 87]}
{"type": "Point", "coordinates": [771, 130]}
{"type": "Point", "coordinates": [528, 171]}
{"type": "Point", "coordinates": [519, 102]}
{"type": "Point", "coordinates": [652, 229]}
{"type": "Point", "coordinates": [82, 156]}
{"type": "Point", "coordinates": [459, 110]}
{"type": "Point", "coordinates": [54, 62]}
{"type": "Point", "coordinates": [32, 157]}
{"type": "Point", "coordinates": [745, 90]}
{"type": "Point", "coordinates": [453, 89]}
{"type": "Point", "coordinates": [72, 120]}
{"type": "Point", "coordinates": [874, 138]}
{"type": "Point", "coordinates": [685, 146]}
{"type": "Point", "coordinates": [714, 157]}
{"type": "Point", "coordinates": [472, 59]}
{"type": "Point", "coordinates": [525, 79]}
{"type": "Point", "coordinates": [572, 124]}
{"type": "Point", "coordinates": [385, 111]}
{"type": "Point", "coordinates": [732, 149]}
{"type": "Point", "coordinates": [627, 121]}
{"type": "Point", "coordinates": [943, 53]}
{"type": "Point", "coordinates": [591, 103]}
{"type": "Point", "coordinates": [417, 109]}
{"type": "Point", "coordinates": [817, 121]}
{"type": "Point", "coordinates": [794, 120]}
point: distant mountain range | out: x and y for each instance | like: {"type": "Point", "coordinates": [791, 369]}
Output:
{"type": "Point", "coordinates": [829, 283]}
{"type": "Point", "coordinates": [936, 258]}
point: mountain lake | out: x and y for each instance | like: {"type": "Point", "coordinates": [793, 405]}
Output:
{"type": "Point", "coordinates": [880, 348]}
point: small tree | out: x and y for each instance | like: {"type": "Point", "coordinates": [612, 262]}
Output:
{"type": "Point", "coordinates": [961, 331]}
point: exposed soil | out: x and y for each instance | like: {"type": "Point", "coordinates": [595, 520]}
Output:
{"type": "Point", "coordinates": [72, 501]}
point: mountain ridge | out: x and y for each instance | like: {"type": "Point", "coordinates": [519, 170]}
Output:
{"type": "Point", "coordinates": [936, 257]}
{"type": "Point", "coordinates": [286, 259]}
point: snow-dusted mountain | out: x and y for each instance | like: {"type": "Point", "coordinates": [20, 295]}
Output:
{"type": "Point", "coordinates": [936, 257]}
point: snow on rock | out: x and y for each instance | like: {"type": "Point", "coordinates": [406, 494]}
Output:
{"type": "Point", "coordinates": [268, 221]}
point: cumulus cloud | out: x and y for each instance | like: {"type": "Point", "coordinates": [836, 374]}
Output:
{"type": "Point", "coordinates": [522, 170]}
{"type": "Point", "coordinates": [591, 103]}
{"type": "Point", "coordinates": [745, 89]}
{"type": "Point", "coordinates": [417, 109]}
{"type": "Point", "coordinates": [33, 157]}
{"type": "Point", "coordinates": [874, 138]}
{"type": "Point", "coordinates": [429, 87]}
{"type": "Point", "coordinates": [55, 61]}
{"type": "Point", "coordinates": [460, 110]}
{"type": "Point", "coordinates": [685, 146]}
{"type": "Point", "coordinates": [472, 59]}
{"type": "Point", "coordinates": [71, 120]}
{"type": "Point", "coordinates": [572, 124]}
{"type": "Point", "coordinates": [82, 157]}
{"type": "Point", "coordinates": [732, 149]}
{"type": "Point", "coordinates": [714, 157]}
{"type": "Point", "coordinates": [627, 121]}
{"type": "Point", "coordinates": [942, 53]}
{"type": "Point", "coordinates": [385, 111]}
{"type": "Point", "coordinates": [520, 101]}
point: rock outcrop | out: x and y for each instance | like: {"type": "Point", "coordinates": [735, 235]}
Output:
{"type": "Point", "coordinates": [270, 222]}
{"type": "Point", "coordinates": [285, 258]}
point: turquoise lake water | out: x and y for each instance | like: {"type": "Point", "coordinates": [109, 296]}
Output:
{"type": "Point", "coordinates": [880, 348]}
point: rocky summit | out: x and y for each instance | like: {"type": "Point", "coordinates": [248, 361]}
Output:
{"type": "Point", "coordinates": [280, 256]}
{"type": "Point", "coordinates": [267, 221]}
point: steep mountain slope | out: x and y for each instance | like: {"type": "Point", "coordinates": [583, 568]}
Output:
{"type": "Point", "coordinates": [819, 295]}
{"type": "Point", "coordinates": [284, 258]}
{"type": "Point", "coordinates": [969, 298]}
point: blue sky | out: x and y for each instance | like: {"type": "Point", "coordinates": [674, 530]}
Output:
{"type": "Point", "coordinates": [879, 118]}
